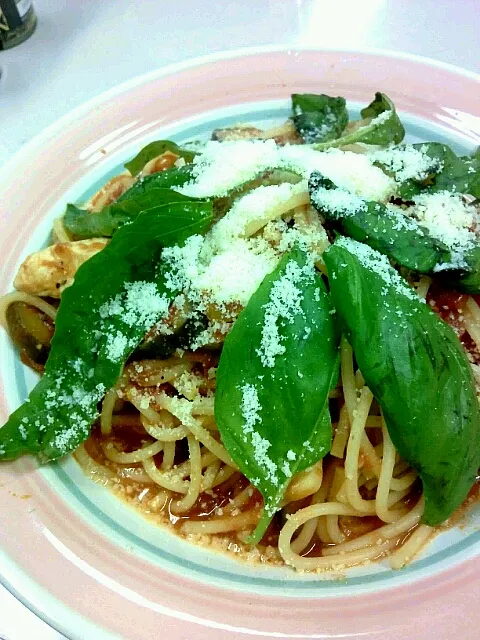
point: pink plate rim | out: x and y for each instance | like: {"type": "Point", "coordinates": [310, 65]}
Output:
{"type": "Point", "coordinates": [60, 567]}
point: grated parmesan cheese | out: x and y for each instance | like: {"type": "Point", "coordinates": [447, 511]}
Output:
{"type": "Point", "coordinates": [407, 162]}
{"type": "Point", "coordinates": [448, 219]}
{"type": "Point", "coordinates": [230, 276]}
{"type": "Point", "coordinates": [139, 305]}
{"type": "Point", "coordinates": [353, 172]}
{"type": "Point", "coordinates": [250, 408]}
{"type": "Point", "coordinates": [379, 264]}
{"type": "Point", "coordinates": [79, 427]}
{"type": "Point", "coordinates": [116, 346]}
{"type": "Point", "coordinates": [401, 220]}
{"type": "Point", "coordinates": [76, 398]}
{"type": "Point", "coordinates": [284, 305]}
{"type": "Point", "coordinates": [313, 134]}
{"type": "Point", "coordinates": [188, 384]}
{"type": "Point", "coordinates": [254, 210]}
{"type": "Point", "coordinates": [338, 202]}
{"type": "Point", "coordinates": [223, 166]}
{"type": "Point", "coordinates": [286, 469]}
{"type": "Point", "coordinates": [236, 273]}
{"type": "Point", "coordinates": [382, 117]}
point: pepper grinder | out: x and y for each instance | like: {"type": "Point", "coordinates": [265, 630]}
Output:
{"type": "Point", "coordinates": [17, 22]}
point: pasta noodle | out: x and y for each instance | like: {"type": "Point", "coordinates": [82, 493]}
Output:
{"type": "Point", "coordinates": [336, 497]}
{"type": "Point", "coordinates": [325, 533]}
{"type": "Point", "coordinates": [59, 231]}
{"type": "Point", "coordinates": [18, 296]}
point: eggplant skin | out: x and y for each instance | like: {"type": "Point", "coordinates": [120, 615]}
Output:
{"type": "Point", "coordinates": [49, 271]}
{"type": "Point", "coordinates": [31, 331]}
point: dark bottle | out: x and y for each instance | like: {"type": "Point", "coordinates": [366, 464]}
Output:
{"type": "Point", "coordinates": [17, 22]}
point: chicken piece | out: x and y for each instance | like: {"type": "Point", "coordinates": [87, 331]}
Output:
{"type": "Point", "coordinates": [49, 271]}
{"type": "Point", "coordinates": [110, 191]}
{"type": "Point", "coordinates": [283, 134]}
{"type": "Point", "coordinates": [239, 132]}
{"type": "Point", "coordinates": [164, 161]}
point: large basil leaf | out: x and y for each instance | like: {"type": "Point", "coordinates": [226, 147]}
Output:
{"type": "Point", "coordinates": [449, 173]}
{"type": "Point", "coordinates": [416, 368]}
{"type": "Point", "coordinates": [319, 118]}
{"type": "Point", "coordinates": [381, 227]}
{"type": "Point", "coordinates": [382, 126]}
{"type": "Point", "coordinates": [116, 297]}
{"type": "Point", "coordinates": [80, 223]}
{"type": "Point", "coordinates": [276, 368]}
{"type": "Point", "coordinates": [155, 149]}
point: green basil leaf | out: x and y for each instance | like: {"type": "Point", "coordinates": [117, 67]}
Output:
{"type": "Point", "coordinates": [168, 179]}
{"type": "Point", "coordinates": [319, 118]}
{"type": "Point", "coordinates": [80, 223]}
{"type": "Point", "coordinates": [116, 297]}
{"type": "Point", "coordinates": [163, 346]}
{"type": "Point", "coordinates": [381, 227]}
{"type": "Point", "coordinates": [417, 370]}
{"type": "Point", "coordinates": [382, 127]}
{"type": "Point", "coordinates": [153, 150]}
{"type": "Point", "coordinates": [449, 173]}
{"type": "Point", "coordinates": [459, 174]}
{"type": "Point", "coordinates": [276, 369]}
{"type": "Point", "coordinates": [468, 280]}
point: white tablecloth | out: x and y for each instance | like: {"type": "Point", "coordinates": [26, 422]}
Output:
{"type": "Point", "coordinates": [82, 47]}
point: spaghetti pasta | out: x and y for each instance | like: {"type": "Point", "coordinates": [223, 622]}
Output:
{"type": "Point", "coordinates": [332, 495]}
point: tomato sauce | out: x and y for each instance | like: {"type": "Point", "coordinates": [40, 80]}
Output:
{"type": "Point", "coordinates": [450, 305]}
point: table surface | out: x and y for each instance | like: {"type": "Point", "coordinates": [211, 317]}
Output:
{"type": "Point", "coordinates": [83, 47]}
